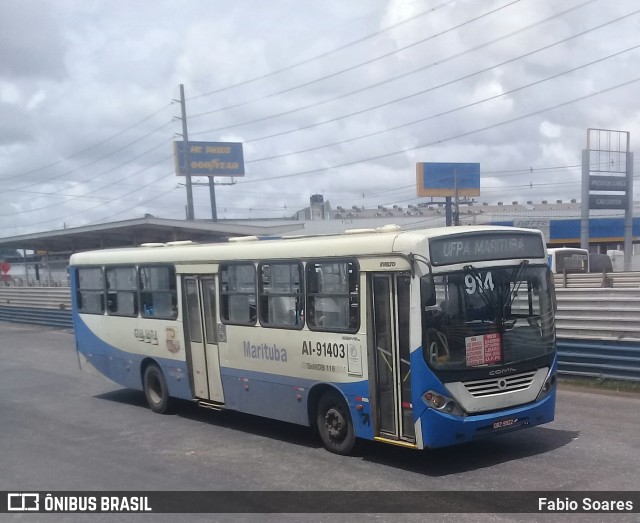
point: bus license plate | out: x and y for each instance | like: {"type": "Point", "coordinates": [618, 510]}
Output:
{"type": "Point", "coordinates": [505, 423]}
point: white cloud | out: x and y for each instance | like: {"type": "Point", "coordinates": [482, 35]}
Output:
{"type": "Point", "coordinates": [77, 79]}
{"type": "Point", "coordinates": [550, 130]}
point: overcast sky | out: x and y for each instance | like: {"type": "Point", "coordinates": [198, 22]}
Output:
{"type": "Point", "coordinates": [336, 97]}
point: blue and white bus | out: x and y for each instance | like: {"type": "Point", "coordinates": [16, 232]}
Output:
{"type": "Point", "coordinates": [421, 338]}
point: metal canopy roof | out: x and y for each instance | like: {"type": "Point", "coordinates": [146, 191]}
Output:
{"type": "Point", "coordinates": [135, 232]}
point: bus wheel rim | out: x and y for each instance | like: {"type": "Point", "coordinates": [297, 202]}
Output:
{"type": "Point", "coordinates": [336, 424]}
{"type": "Point", "coordinates": [155, 390]}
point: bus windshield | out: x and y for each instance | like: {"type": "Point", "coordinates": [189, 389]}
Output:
{"type": "Point", "coordinates": [489, 317]}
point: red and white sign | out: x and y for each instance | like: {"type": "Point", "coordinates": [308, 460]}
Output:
{"type": "Point", "coordinates": [483, 350]}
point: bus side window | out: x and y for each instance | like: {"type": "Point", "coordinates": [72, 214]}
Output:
{"type": "Point", "coordinates": [333, 296]}
{"type": "Point", "coordinates": [280, 295]}
{"type": "Point", "coordinates": [122, 291]}
{"type": "Point", "coordinates": [238, 294]}
{"type": "Point", "coordinates": [90, 294]}
{"type": "Point", "coordinates": [158, 295]}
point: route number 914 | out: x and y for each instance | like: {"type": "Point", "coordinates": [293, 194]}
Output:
{"type": "Point", "coordinates": [472, 285]}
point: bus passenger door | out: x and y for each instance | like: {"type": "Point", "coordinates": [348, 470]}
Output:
{"type": "Point", "coordinates": [202, 345]}
{"type": "Point", "coordinates": [391, 372]}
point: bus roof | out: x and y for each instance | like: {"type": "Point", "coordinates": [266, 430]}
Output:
{"type": "Point", "coordinates": [566, 249]}
{"type": "Point", "coordinates": [382, 241]}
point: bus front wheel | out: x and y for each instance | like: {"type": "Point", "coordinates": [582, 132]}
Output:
{"type": "Point", "coordinates": [155, 389]}
{"type": "Point", "coordinates": [334, 423]}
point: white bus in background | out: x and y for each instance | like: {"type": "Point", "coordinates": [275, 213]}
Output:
{"type": "Point", "coordinates": [617, 260]}
{"type": "Point", "coordinates": [568, 259]}
{"type": "Point", "coordinates": [421, 338]}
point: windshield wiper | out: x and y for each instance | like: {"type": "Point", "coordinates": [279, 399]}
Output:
{"type": "Point", "coordinates": [517, 277]}
{"type": "Point", "coordinates": [499, 303]}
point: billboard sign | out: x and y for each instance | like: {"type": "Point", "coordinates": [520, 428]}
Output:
{"type": "Point", "coordinates": [601, 201]}
{"type": "Point", "coordinates": [448, 179]}
{"type": "Point", "coordinates": [210, 158]}
{"type": "Point", "coordinates": [608, 183]}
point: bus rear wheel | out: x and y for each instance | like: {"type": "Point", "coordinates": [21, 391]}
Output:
{"type": "Point", "coordinates": [334, 423]}
{"type": "Point", "coordinates": [155, 389]}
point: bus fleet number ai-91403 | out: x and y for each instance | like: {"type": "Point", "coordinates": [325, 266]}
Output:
{"type": "Point", "coordinates": [330, 350]}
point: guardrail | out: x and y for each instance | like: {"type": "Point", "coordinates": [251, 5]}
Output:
{"type": "Point", "coordinates": [598, 314]}
{"type": "Point", "coordinates": [610, 360]}
{"type": "Point", "coordinates": [40, 297]}
{"type": "Point", "coordinates": [598, 331]}
{"type": "Point", "coordinates": [36, 305]}
{"type": "Point", "coordinates": [598, 280]}
{"type": "Point", "coordinates": [52, 318]}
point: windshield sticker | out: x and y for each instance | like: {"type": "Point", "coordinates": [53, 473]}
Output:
{"type": "Point", "coordinates": [483, 350]}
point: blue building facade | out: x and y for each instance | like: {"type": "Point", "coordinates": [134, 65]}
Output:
{"type": "Point", "coordinates": [602, 231]}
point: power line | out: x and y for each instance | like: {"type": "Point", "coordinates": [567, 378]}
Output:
{"type": "Point", "coordinates": [444, 113]}
{"type": "Point", "coordinates": [96, 160]}
{"type": "Point", "coordinates": [147, 200]}
{"type": "Point", "coordinates": [443, 140]}
{"type": "Point", "coordinates": [361, 64]}
{"type": "Point", "coordinates": [83, 211]}
{"type": "Point", "coordinates": [92, 178]}
{"type": "Point", "coordinates": [121, 148]}
{"type": "Point", "coordinates": [497, 189]}
{"type": "Point", "coordinates": [524, 170]}
{"type": "Point", "coordinates": [412, 186]}
{"type": "Point", "coordinates": [351, 196]}
{"type": "Point", "coordinates": [424, 91]}
{"type": "Point", "coordinates": [56, 194]}
{"type": "Point", "coordinates": [55, 204]}
{"type": "Point", "coordinates": [89, 148]}
{"type": "Point", "coordinates": [388, 80]}
{"type": "Point", "coordinates": [296, 201]}
{"type": "Point", "coordinates": [325, 54]}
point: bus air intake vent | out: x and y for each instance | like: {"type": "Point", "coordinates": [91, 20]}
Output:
{"type": "Point", "coordinates": [500, 385]}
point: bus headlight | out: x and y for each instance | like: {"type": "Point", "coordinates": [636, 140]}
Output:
{"type": "Point", "coordinates": [547, 387]}
{"type": "Point", "coordinates": [442, 403]}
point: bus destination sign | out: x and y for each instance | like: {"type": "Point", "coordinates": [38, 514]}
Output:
{"type": "Point", "coordinates": [485, 246]}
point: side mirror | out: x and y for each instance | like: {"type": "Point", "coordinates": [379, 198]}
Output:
{"type": "Point", "coordinates": [427, 291]}
{"type": "Point", "coordinates": [552, 287]}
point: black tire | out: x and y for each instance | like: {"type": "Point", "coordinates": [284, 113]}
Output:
{"type": "Point", "coordinates": [334, 423]}
{"type": "Point", "coordinates": [155, 389]}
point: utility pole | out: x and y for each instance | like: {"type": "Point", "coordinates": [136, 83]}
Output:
{"type": "Point", "coordinates": [185, 155]}
{"type": "Point", "coordinates": [456, 216]}
{"type": "Point", "coordinates": [26, 267]}
{"type": "Point", "coordinates": [628, 215]}
{"type": "Point", "coordinates": [584, 205]}
{"type": "Point", "coordinates": [212, 196]}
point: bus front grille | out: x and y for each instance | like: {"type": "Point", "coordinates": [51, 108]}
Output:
{"type": "Point", "coordinates": [500, 385]}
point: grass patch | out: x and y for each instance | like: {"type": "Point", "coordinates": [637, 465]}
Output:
{"type": "Point", "coordinates": [601, 384]}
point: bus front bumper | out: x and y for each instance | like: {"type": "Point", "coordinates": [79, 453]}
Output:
{"type": "Point", "coordinates": [440, 429]}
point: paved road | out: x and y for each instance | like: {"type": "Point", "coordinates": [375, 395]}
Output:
{"type": "Point", "coordinates": [62, 429]}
